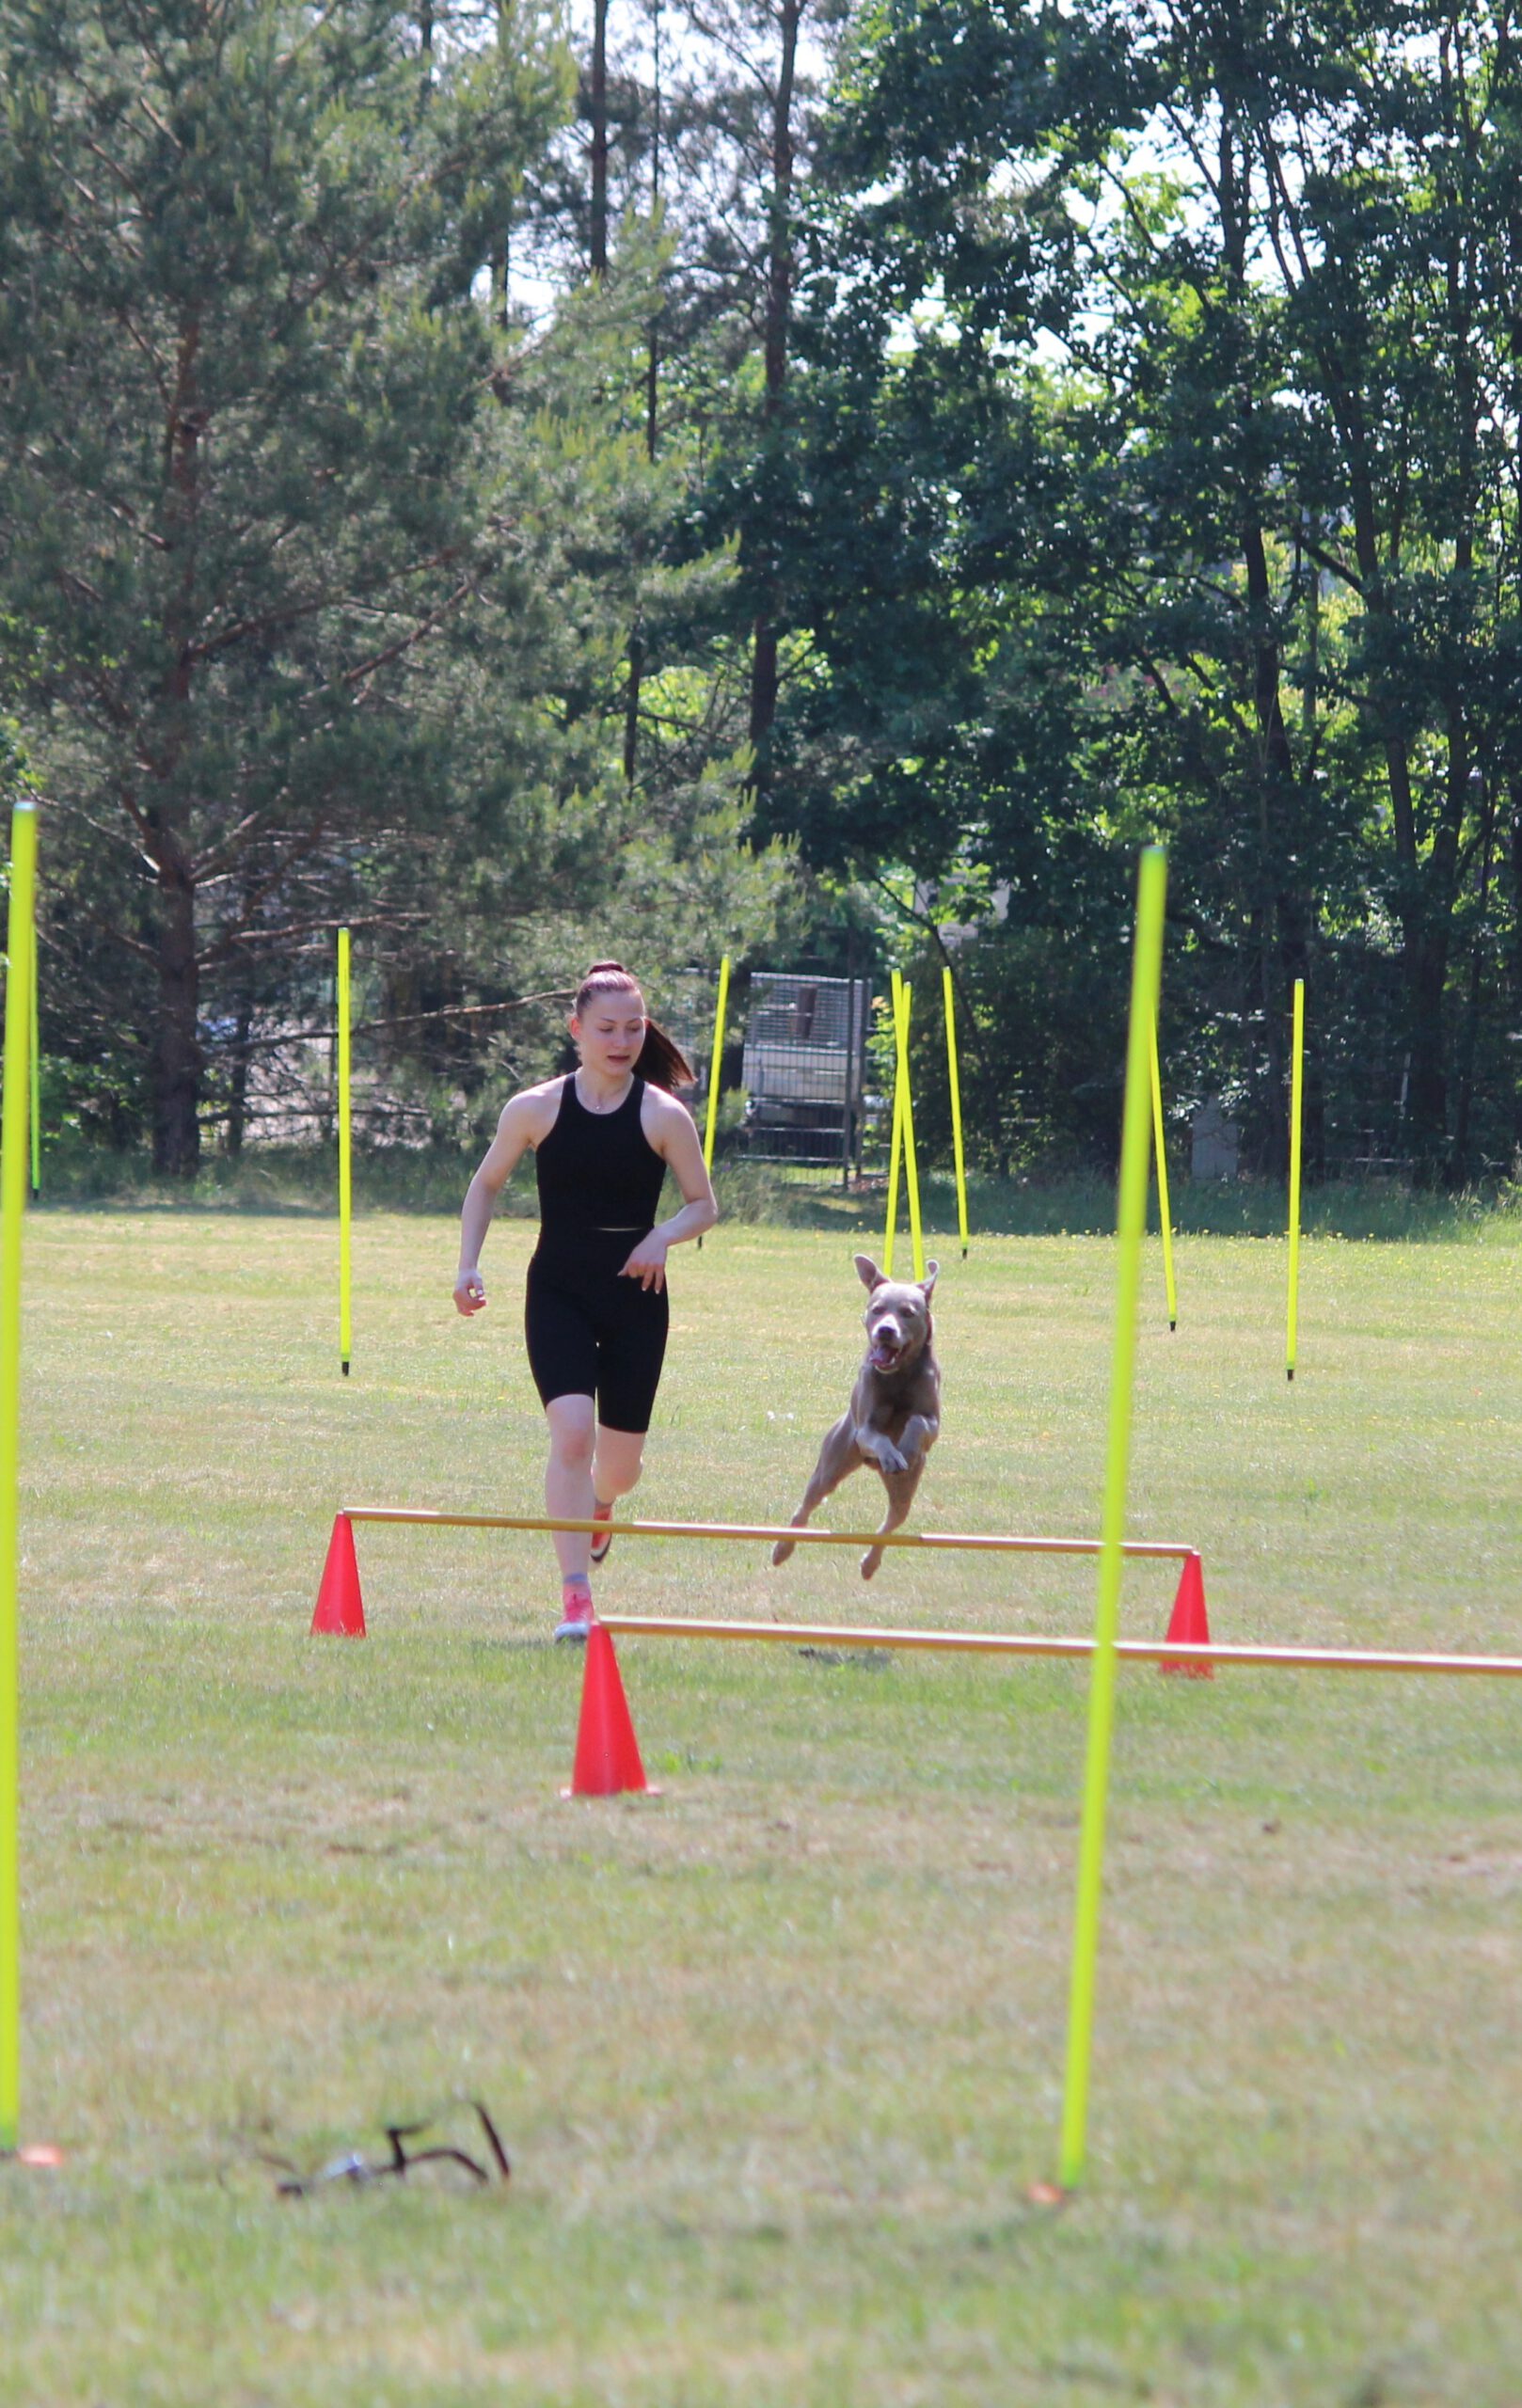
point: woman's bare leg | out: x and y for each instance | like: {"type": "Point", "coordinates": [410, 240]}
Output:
{"type": "Point", "coordinates": [617, 1464]}
{"type": "Point", "coordinates": [568, 1492]}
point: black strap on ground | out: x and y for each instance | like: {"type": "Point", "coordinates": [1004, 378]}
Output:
{"type": "Point", "coordinates": [352, 2166]}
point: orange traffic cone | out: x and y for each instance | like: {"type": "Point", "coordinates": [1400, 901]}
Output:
{"type": "Point", "coordinates": [1187, 1625]}
{"type": "Point", "coordinates": [340, 1608]}
{"type": "Point", "coordinates": [607, 1750]}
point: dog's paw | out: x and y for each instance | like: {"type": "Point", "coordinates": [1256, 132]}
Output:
{"type": "Point", "coordinates": [870, 1561]}
{"type": "Point", "coordinates": [890, 1458]}
{"type": "Point", "coordinates": [783, 1549]}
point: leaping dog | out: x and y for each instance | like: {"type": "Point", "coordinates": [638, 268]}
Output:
{"type": "Point", "coordinates": [894, 1417]}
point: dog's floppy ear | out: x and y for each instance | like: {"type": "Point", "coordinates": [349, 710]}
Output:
{"type": "Point", "coordinates": [868, 1272]}
{"type": "Point", "coordinates": [932, 1273]}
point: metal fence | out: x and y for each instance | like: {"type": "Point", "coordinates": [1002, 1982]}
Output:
{"type": "Point", "coordinates": [804, 1069]}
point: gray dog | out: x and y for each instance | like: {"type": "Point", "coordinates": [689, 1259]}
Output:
{"type": "Point", "coordinates": [895, 1412]}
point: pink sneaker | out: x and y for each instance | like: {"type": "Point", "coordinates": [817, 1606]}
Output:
{"type": "Point", "coordinates": [576, 1616]}
{"type": "Point", "coordinates": [601, 1546]}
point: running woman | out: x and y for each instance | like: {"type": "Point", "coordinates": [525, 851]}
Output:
{"type": "Point", "coordinates": [595, 1310]}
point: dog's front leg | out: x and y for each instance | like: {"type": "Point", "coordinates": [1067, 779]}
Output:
{"type": "Point", "coordinates": [837, 1456]}
{"type": "Point", "coordinates": [880, 1449]}
{"type": "Point", "coordinates": [919, 1436]}
{"type": "Point", "coordinates": [900, 1486]}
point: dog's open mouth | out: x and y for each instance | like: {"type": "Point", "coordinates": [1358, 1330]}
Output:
{"type": "Point", "coordinates": [886, 1353]}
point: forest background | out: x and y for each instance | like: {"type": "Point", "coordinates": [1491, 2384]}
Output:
{"type": "Point", "coordinates": [811, 480]}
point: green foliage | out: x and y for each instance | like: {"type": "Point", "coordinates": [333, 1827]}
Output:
{"type": "Point", "coordinates": [328, 581]}
{"type": "Point", "coordinates": [1171, 491]}
{"type": "Point", "coordinates": [1071, 427]}
{"type": "Point", "coordinates": [241, 367]}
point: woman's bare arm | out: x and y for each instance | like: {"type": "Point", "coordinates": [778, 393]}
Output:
{"type": "Point", "coordinates": [675, 1140]}
{"type": "Point", "coordinates": [525, 1119]}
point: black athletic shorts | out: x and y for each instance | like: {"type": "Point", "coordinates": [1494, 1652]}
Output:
{"type": "Point", "coordinates": [591, 1333]}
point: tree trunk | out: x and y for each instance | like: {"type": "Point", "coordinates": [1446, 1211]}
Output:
{"type": "Point", "coordinates": [176, 1053]}
{"type": "Point", "coordinates": [763, 693]}
{"type": "Point", "coordinates": [652, 428]}
{"type": "Point", "coordinates": [238, 1082]}
{"type": "Point", "coordinates": [176, 1058]}
{"type": "Point", "coordinates": [1459, 1169]}
{"type": "Point", "coordinates": [598, 99]}
{"type": "Point", "coordinates": [631, 707]}
{"type": "Point", "coordinates": [1313, 1141]}
{"type": "Point", "coordinates": [1514, 864]}
{"type": "Point", "coordinates": [1428, 931]}
{"type": "Point", "coordinates": [1283, 946]}
{"type": "Point", "coordinates": [1428, 1051]}
{"type": "Point", "coordinates": [501, 266]}
{"type": "Point", "coordinates": [652, 372]}
{"type": "Point", "coordinates": [778, 317]}
{"type": "Point", "coordinates": [1426, 891]}
{"type": "Point", "coordinates": [780, 215]}
{"type": "Point", "coordinates": [1283, 913]}
{"type": "Point", "coordinates": [1423, 933]}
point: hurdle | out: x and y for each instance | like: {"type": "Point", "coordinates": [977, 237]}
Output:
{"type": "Point", "coordinates": [339, 1610]}
{"type": "Point", "coordinates": [1171, 1654]}
{"type": "Point", "coordinates": [998, 1643]}
{"type": "Point", "coordinates": [981, 1542]}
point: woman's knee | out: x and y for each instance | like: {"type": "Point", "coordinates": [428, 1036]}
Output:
{"type": "Point", "coordinates": [572, 1442]}
{"type": "Point", "coordinates": [619, 1464]}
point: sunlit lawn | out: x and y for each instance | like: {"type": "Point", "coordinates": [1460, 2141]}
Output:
{"type": "Point", "coordinates": [777, 2055]}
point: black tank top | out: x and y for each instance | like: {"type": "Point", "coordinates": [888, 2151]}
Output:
{"type": "Point", "coordinates": [597, 1170]}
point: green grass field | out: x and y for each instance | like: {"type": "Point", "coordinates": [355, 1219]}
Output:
{"type": "Point", "coordinates": [778, 2053]}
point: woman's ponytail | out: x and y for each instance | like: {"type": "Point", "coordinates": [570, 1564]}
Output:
{"type": "Point", "coordinates": [662, 1062]}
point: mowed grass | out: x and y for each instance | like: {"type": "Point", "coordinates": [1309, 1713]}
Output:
{"type": "Point", "coordinates": [778, 2053]}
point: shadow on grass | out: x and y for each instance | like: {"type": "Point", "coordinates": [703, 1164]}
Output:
{"type": "Point", "coordinates": [294, 1181]}
{"type": "Point", "coordinates": [1375, 1211]}
{"type": "Point", "coordinates": [301, 1183]}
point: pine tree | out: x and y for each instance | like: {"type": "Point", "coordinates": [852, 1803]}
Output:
{"type": "Point", "coordinates": [242, 373]}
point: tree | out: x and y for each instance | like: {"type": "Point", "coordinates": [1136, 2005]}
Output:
{"type": "Point", "coordinates": [1201, 466]}
{"type": "Point", "coordinates": [241, 371]}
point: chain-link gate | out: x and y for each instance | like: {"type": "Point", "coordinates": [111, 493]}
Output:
{"type": "Point", "coordinates": [804, 1069]}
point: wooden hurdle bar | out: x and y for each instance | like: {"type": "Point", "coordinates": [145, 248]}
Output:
{"type": "Point", "coordinates": [978, 1643]}
{"type": "Point", "coordinates": [788, 1634]}
{"type": "Point", "coordinates": [972, 1542]}
{"type": "Point", "coordinates": [341, 1607]}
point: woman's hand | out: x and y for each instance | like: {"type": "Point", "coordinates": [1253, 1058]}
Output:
{"type": "Point", "coordinates": [470, 1292]}
{"type": "Point", "coordinates": [647, 1264]}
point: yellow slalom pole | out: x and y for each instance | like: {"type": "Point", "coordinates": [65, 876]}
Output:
{"type": "Point", "coordinates": [1131, 1228]}
{"type": "Point", "coordinates": [714, 1063]}
{"type": "Point", "coordinates": [345, 1166]}
{"type": "Point", "coordinates": [13, 1116]}
{"type": "Point", "coordinates": [956, 1106]}
{"type": "Point", "coordinates": [911, 1176]}
{"type": "Point", "coordinates": [35, 1081]}
{"type": "Point", "coordinates": [714, 1069]}
{"type": "Point", "coordinates": [889, 1232]}
{"type": "Point", "coordinates": [1296, 1098]}
{"type": "Point", "coordinates": [1164, 1212]}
